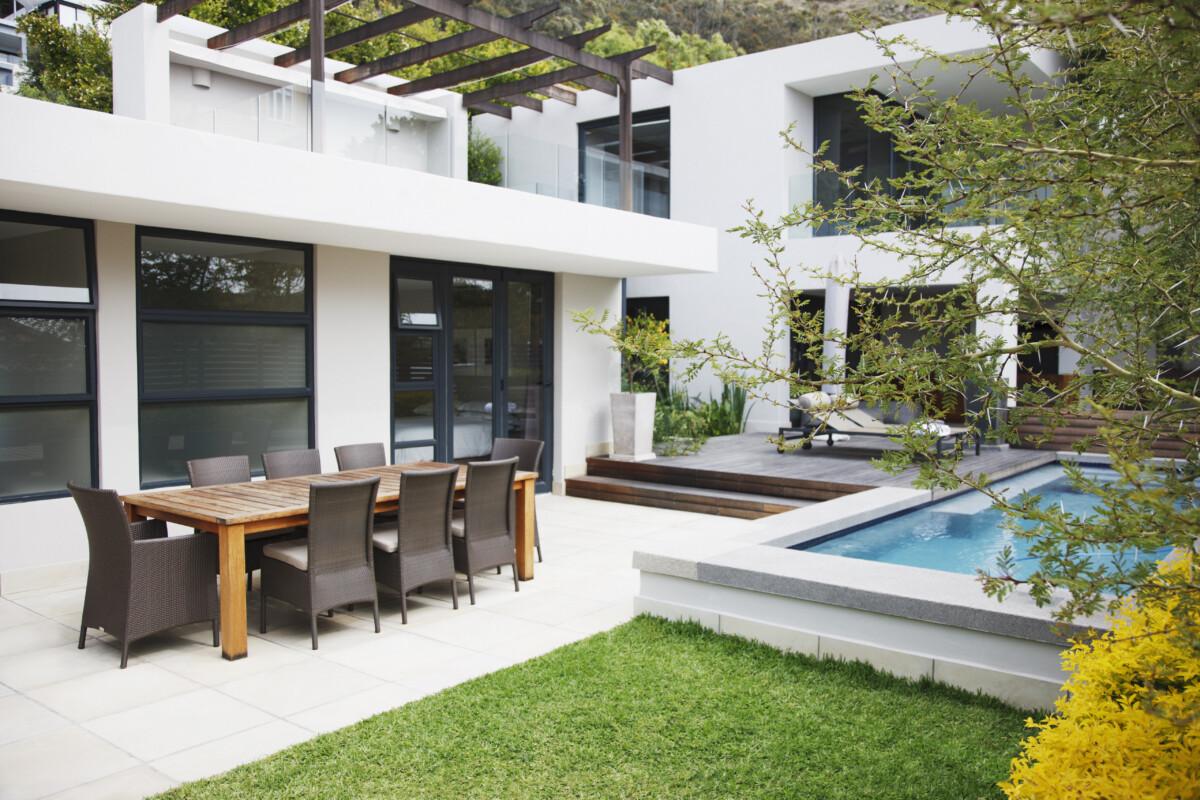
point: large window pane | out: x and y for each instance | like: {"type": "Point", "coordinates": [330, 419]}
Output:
{"type": "Point", "coordinates": [472, 363]}
{"type": "Point", "coordinates": [43, 448]}
{"type": "Point", "coordinates": [414, 416]}
{"type": "Point", "coordinates": [179, 357]}
{"type": "Point", "coordinates": [174, 433]}
{"type": "Point", "coordinates": [43, 356]}
{"type": "Point", "coordinates": [221, 276]}
{"type": "Point", "coordinates": [43, 263]}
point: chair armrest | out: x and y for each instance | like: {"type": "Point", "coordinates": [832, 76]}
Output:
{"type": "Point", "coordinates": [148, 529]}
{"type": "Point", "coordinates": [175, 553]}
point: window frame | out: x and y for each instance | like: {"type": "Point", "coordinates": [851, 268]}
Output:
{"type": "Point", "coordinates": [61, 310]}
{"type": "Point", "coordinates": [662, 114]}
{"type": "Point", "coordinates": [290, 319]}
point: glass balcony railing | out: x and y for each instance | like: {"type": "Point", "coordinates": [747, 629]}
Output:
{"type": "Point", "coordinates": [538, 167]}
{"type": "Point", "coordinates": [602, 184]}
{"type": "Point", "coordinates": [378, 132]}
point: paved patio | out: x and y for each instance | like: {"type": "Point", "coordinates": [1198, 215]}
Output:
{"type": "Point", "coordinates": [73, 725]}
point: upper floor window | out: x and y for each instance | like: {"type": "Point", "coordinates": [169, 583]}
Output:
{"type": "Point", "coordinates": [47, 356]}
{"type": "Point", "coordinates": [600, 165]}
{"type": "Point", "coordinates": [852, 144]}
{"type": "Point", "coordinates": [225, 335]}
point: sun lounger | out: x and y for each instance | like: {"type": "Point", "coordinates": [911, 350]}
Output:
{"type": "Point", "coordinates": [821, 418]}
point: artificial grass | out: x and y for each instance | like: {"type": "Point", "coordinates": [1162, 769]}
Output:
{"type": "Point", "coordinates": [656, 709]}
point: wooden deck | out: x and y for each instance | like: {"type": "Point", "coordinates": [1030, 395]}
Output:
{"type": "Point", "coordinates": [744, 476]}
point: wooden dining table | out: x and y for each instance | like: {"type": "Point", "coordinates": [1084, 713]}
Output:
{"type": "Point", "coordinates": [232, 511]}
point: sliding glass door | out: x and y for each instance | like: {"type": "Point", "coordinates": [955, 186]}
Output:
{"type": "Point", "coordinates": [471, 357]}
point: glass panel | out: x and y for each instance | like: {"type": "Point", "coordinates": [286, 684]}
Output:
{"type": "Point", "coordinates": [173, 433]}
{"type": "Point", "coordinates": [404, 455]}
{"type": "Point", "coordinates": [414, 358]}
{"type": "Point", "coordinates": [472, 360]}
{"type": "Point", "coordinates": [43, 355]}
{"type": "Point", "coordinates": [414, 416]}
{"type": "Point", "coordinates": [651, 171]}
{"type": "Point", "coordinates": [526, 359]}
{"type": "Point", "coordinates": [221, 276]}
{"type": "Point", "coordinates": [42, 448]}
{"type": "Point", "coordinates": [43, 263]}
{"type": "Point", "coordinates": [181, 357]}
{"type": "Point", "coordinates": [415, 304]}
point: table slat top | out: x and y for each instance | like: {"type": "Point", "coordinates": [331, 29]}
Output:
{"type": "Point", "coordinates": [241, 503]}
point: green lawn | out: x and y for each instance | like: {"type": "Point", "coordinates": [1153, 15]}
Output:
{"type": "Point", "coordinates": [655, 709]}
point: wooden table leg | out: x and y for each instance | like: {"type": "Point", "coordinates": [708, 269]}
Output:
{"type": "Point", "coordinates": [232, 558]}
{"type": "Point", "coordinates": [525, 529]}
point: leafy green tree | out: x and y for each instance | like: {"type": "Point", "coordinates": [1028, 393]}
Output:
{"type": "Point", "coordinates": [71, 66]}
{"type": "Point", "coordinates": [1090, 185]}
{"type": "Point", "coordinates": [484, 159]}
{"type": "Point", "coordinates": [675, 51]}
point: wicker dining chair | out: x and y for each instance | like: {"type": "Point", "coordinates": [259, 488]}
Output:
{"type": "Point", "coordinates": [291, 463]}
{"type": "Point", "coordinates": [529, 459]}
{"type": "Point", "coordinates": [220, 470]}
{"type": "Point", "coordinates": [360, 456]}
{"type": "Point", "coordinates": [141, 582]}
{"type": "Point", "coordinates": [415, 550]}
{"type": "Point", "coordinates": [484, 531]}
{"type": "Point", "coordinates": [334, 565]}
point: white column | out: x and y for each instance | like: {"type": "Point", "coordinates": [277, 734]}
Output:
{"type": "Point", "coordinates": [141, 65]}
{"type": "Point", "coordinates": [837, 315]}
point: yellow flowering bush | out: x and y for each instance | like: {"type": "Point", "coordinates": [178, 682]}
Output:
{"type": "Point", "coordinates": [642, 344]}
{"type": "Point", "coordinates": [1130, 725]}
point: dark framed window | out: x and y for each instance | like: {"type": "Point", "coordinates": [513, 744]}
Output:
{"type": "Point", "coordinates": [599, 162]}
{"type": "Point", "coordinates": [852, 144]}
{"type": "Point", "coordinates": [224, 350]}
{"type": "Point", "coordinates": [47, 356]}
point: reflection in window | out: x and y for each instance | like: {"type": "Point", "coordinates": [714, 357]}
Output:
{"type": "Point", "coordinates": [472, 361]}
{"type": "Point", "coordinates": [47, 382]}
{"type": "Point", "coordinates": [852, 145]}
{"type": "Point", "coordinates": [225, 360]}
{"type": "Point", "coordinates": [415, 303]}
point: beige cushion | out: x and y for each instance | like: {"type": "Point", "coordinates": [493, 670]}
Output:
{"type": "Point", "coordinates": [386, 537]}
{"type": "Point", "coordinates": [458, 522]}
{"type": "Point", "coordinates": [293, 553]}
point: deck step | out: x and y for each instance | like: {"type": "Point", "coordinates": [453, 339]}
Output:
{"type": "Point", "coordinates": [681, 498]}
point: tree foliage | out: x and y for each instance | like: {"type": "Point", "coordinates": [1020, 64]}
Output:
{"type": "Point", "coordinates": [1090, 185]}
{"type": "Point", "coordinates": [484, 159]}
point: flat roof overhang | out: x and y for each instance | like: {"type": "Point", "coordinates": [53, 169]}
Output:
{"type": "Point", "coordinates": [80, 163]}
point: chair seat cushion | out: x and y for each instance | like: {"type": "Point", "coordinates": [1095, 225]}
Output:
{"type": "Point", "coordinates": [293, 553]}
{"type": "Point", "coordinates": [386, 537]}
{"type": "Point", "coordinates": [458, 522]}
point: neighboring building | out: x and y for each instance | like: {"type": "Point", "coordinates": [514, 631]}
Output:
{"type": "Point", "coordinates": [711, 142]}
{"type": "Point", "coordinates": [184, 278]}
{"type": "Point", "coordinates": [12, 42]}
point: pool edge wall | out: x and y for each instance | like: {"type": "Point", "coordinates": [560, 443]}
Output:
{"type": "Point", "coordinates": [909, 621]}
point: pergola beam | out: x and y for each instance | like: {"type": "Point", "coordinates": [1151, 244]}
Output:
{"type": "Point", "coordinates": [537, 83]}
{"type": "Point", "coordinates": [171, 8]}
{"type": "Point", "coordinates": [442, 47]}
{"type": "Point", "coordinates": [493, 108]}
{"type": "Point", "coordinates": [494, 66]}
{"type": "Point", "coordinates": [531, 39]}
{"type": "Point", "coordinates": [269, 23]}
{"type": "Point", "coordinates": [392, 22]}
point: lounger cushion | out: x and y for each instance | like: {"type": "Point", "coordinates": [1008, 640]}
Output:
{"type": "Point", "coordinates": [820, 400]}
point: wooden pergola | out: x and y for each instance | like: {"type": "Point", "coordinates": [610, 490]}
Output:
{"type": "Point", "coordinates": [588, 70]}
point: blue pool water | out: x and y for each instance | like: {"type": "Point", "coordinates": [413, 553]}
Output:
{"type": "Point", "coordinates": [963, 534]}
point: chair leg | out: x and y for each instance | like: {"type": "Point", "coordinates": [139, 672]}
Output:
{"type": "Point", "coordinates": [262, 610]}
{"type": "Point", "coordinates": [516, 583]}
{"type": "Point", "coordinates": [124, 654]}
{"type": "Point", "coordinates": [216, 632]}
{"type": "Point", "coordinates": [537, 541]}
{"type": "Point", "coordinates": [312, 622]}
{"type": "Point", "coordinates": [497, 570]}
{"type": "Point", "coordinates": [82, 635]}
{"type": "Point", "coordinates": [471, 586]}
{"type": "Point", "coordinates": [403, 608]}
{"type": "Point", "coordinates": [454, 592]}
{"type": "Point", "coordinates": [375, 606]}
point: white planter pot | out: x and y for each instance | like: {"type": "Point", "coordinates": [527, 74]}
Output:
{"type": "Point", "coordinates": [633, 425]}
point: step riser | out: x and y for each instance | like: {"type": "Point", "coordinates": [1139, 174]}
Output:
{"type": "Point", "coordinates": [675, 505]}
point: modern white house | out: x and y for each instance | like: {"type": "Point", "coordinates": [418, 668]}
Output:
{"type": "Point", "coordinates": [194, 280]}
{"type": "Point", "coordinates": [710, 142]}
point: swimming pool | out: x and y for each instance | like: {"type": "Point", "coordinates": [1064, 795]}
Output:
{"type": "Point", "coordinates": [964, 533]}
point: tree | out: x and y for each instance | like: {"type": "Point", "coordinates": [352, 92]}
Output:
{"type": "Point", "coordinates": [485, 160]}
{"type": "Point", "coordinates": [1090, 183]}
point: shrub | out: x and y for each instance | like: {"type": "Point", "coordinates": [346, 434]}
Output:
{"type": "Point", "coordinates": [727, 415]}
{"type": "Point", "coordinates": [1130, 725]}
{"type": "Point", "coordinates": [484, 159]}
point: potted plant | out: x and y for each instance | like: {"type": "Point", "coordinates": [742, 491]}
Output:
{"type": "Point", "coordinates": [641, 344]}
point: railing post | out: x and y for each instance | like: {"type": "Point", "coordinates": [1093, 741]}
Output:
{"type": "Point", "coordinates": [316, 44]}
{"type": "Point", "coordinates": [625, 135]}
